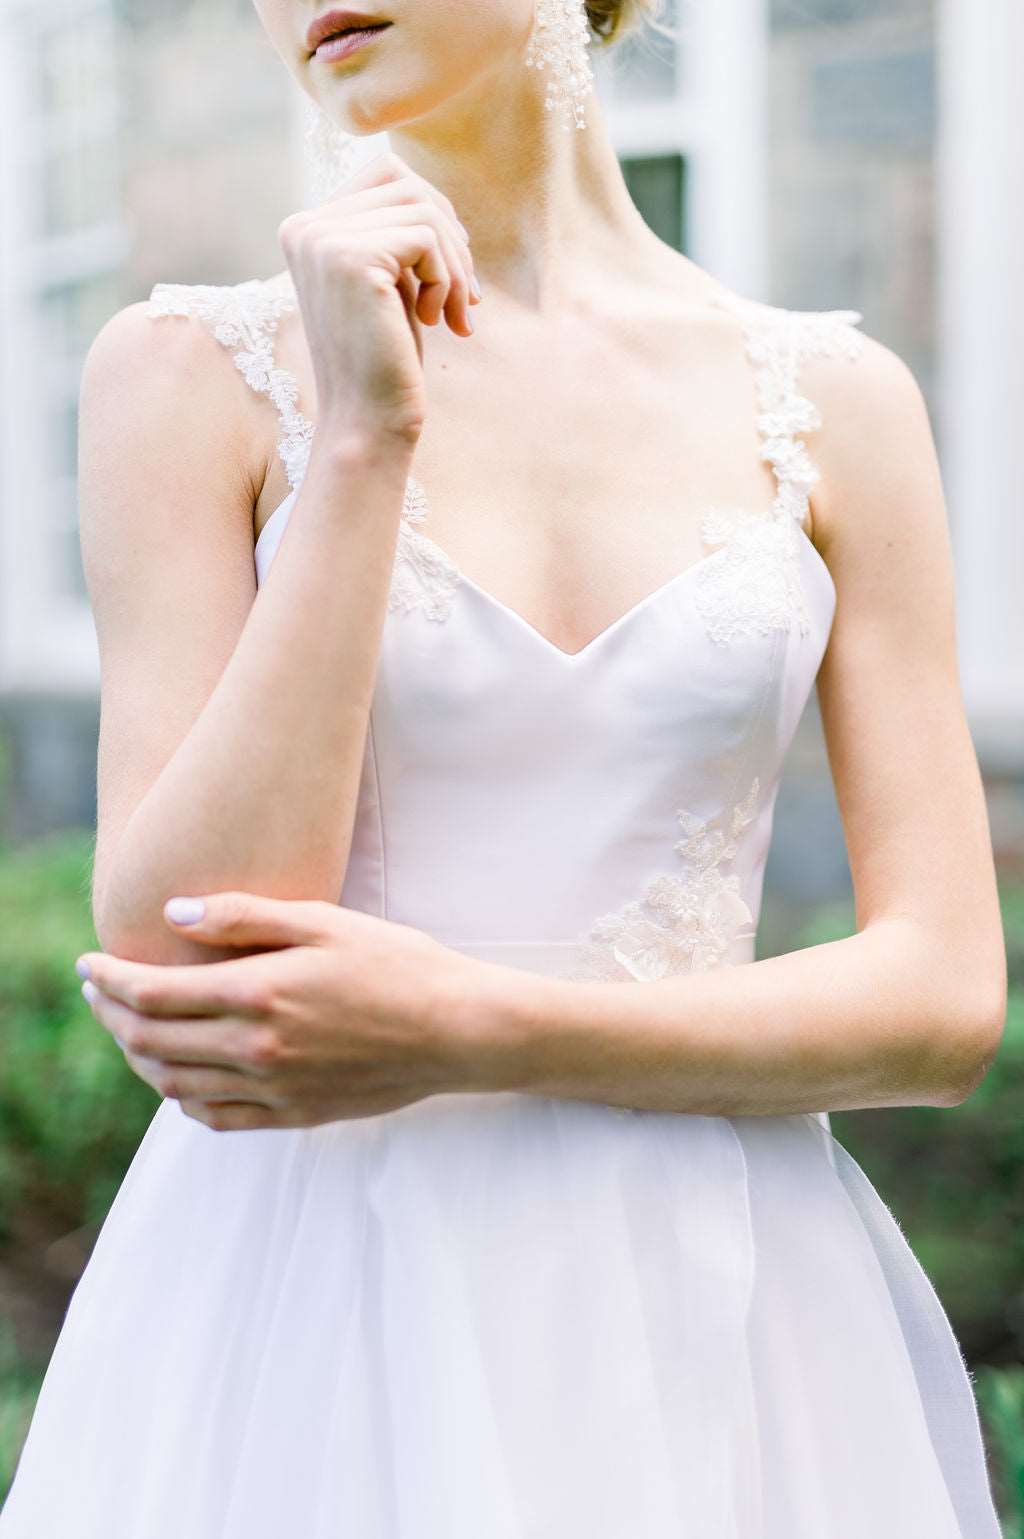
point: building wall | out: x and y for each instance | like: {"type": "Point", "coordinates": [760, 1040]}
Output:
{"type": "Point", "coordinates": [138, 142]}
{"type": "Point", "coordinates": [852, 224]}
{"type": "Point", "coordinates": [211, 168]}
{"type": "Point", "coordinates": [852, 123]}
{"type": "Point", "coordinates": [897, 188]}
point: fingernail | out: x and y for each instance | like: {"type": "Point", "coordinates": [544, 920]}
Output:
{"type": "Point", "coordinates": [469, 321]}
{"type": "Point", "coordinates": [184, 910]}
{"type": "Point", "coordinates": [89, 991]}
{"type": "Point", "coordinates": [82, 967]}
{"type": "Point", "coordinates": [474, 285]}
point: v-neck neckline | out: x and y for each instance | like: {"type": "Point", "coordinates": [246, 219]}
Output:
{"type": "Point", "coordinates": [415, 502]}
{"type": "Point", "coordinates": [486, 596]}
{"type": "Point", "coordinates": [537, 636]}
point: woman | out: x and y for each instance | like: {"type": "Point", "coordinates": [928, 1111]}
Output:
{"type": "Point", "coordinates": [495, 1195]}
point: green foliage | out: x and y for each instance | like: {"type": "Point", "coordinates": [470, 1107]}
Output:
{"type": "Point", "coordinates": [954, 1176]}
{"type": "Point", "coordinates": [19, 1390]}
{"type": "Point", "coordinates": [71, 1111]}
{"type": "Point", "coordinates": [1000, 1394]}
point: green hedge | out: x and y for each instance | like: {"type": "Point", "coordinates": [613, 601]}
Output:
{"type": "Point", "coordinates": [954, 1176]}
{"type": "Point", "coordinates": [1001, 1399]}
{"type": "Point", "coordinates": [71, 1111]}
{"type": "Point", "coordinates": [19, 1389]}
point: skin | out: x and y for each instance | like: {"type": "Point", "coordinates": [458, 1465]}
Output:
{"type": "Point", "coordinates": [281, 1008]}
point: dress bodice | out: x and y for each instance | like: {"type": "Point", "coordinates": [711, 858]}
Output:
{"type": "Point", "coordinates": [618, 799]}
{"type": "Point", "coordinates": [429, 1280]}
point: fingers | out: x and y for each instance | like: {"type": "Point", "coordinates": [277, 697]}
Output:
{"type": "Point", "coordinates": [423, 248]}
{"type": "Point", "coordinates": [445, 287]}
{"type": "Point", "coordinates": [450, 297]}
{"type": "Point", "coordinates": [232, 987]}
{"type": "Point", "coordinates": [247, 919]}
{"type": "Point", "coordinates": [226, 1117]}
{"type": "Point", "coordinates": [387, 187]}
{"type": "Point", "coordinates": [249, 1049]}
{"type": "Point", "coordinates": [412, 191]}
{"type": "Point", "coordinates": [406, 286]}
{"type": "Point", "coordinates": [235, 986]}
{"type": "Point", "coordinates": [183, 1082]}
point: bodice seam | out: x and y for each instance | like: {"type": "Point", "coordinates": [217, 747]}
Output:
{"type": "Point", "coordinates": [381, 838]}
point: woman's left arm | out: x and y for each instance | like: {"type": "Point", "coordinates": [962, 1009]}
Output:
{"type": "Point", "coordinates": [910, 1009]}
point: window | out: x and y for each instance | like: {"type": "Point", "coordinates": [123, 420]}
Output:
{"type": "Point", "coordinates": [63, 248]}
{"type": "Point", "coordinates": [687, 116]}
{"type": "Point", "coordinates": [657, 185]}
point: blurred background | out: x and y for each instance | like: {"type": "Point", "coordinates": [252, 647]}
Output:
{"type": "Point", "coordinates": [817, 154]}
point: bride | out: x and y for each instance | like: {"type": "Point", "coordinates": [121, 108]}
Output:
{"type": "Point", "coordinates": [459, 589]}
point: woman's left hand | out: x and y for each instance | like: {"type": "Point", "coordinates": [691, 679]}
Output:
{"type": "Point", "coordinates": [343, 1015]}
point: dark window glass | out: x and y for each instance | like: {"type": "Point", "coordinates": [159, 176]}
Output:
{"type": "Point", "coordinates": [657, 185]}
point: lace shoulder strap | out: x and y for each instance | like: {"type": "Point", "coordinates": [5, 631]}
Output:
{"type": "Point", "coordinates": [244, 317]}
{"type": "Point", "coordinates": [778, 342]}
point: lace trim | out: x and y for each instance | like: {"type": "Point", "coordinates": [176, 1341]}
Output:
{"type": "Point", "coordinates": [683, 922]}
{"type": "Point", "coordinates": [423, 577]}
{"type": "Point", "coordinates": [244, 317]}
{"type": "Point", "coordinates": [753, 585]}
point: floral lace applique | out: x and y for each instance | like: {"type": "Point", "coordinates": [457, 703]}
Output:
{"type": "Point", "coordinates": [244, 317]}
{"type": "Point", "coordinates": [684, 921]}
{"type": "Point", "coordinates": [752, 584]}
{"type": "Point", "coordinates": [424, 577]}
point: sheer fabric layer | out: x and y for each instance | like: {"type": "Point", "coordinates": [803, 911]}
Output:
{"type": "Point", "coordinates": [508, 1315]}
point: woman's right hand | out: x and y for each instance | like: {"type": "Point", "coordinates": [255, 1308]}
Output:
{"type": "Point", "coordinates": [381, 256]}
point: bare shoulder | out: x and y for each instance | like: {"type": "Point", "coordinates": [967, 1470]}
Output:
{"type": "Point", "coordinates": [881, 393]}
{"type": "Point", "coordinates": [167, 452]}
{"type": "Point", "coordinates": [853, 414]}
{"type": "Point", "coordinates": [161, 406]}
{"type": "Point", "coordinates": [874, 449]}
{"type": "Point", "coordinates": [177, 370]}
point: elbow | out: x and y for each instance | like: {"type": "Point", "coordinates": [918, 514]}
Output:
{"type": "Point", "coordinates": [140, 934]}
{"type": "Point", "coordinates": [974, 1049]}
{"type": "Point", "coordinates": [129, 922]}
{"type": "Point", "coordinates": [152, 941]}
{"type": "Point", "coordinates": [134, 942]}
{"type": "Point", "coordinates": [113, 933]}
{"type": "Point", "coordinates": [948, 1010]}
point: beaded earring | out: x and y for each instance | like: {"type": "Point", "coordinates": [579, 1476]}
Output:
{"type": "Point", "coordinates": [558, 42]}
{"type": "Point", "coordinates": [330, 151]}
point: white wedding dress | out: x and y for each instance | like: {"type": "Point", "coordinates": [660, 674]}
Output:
{"type": "Point", "coordinates": [505, 1316]}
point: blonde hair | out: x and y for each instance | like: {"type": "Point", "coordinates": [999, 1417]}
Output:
{"type": "Point", "coordinates": [614, 20]}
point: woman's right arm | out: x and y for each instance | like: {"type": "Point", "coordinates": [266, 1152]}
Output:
{"type": "Point", "coordinates": [233, 721]}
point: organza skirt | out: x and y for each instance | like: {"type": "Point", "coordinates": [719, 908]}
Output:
{"type": "Point", "coordinates": [502, 1316]}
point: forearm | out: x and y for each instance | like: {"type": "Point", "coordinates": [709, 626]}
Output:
{"type": "Point", "coordinates": [877, 1019]}
{"type": "Point", "coordinates": [261, 793]}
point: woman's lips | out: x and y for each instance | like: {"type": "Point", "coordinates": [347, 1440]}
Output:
{"type": "Point", "coordinates": [340, 46]}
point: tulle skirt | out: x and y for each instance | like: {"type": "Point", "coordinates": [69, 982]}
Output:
{"type": "Point", "coordinates": [502, 1316]}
